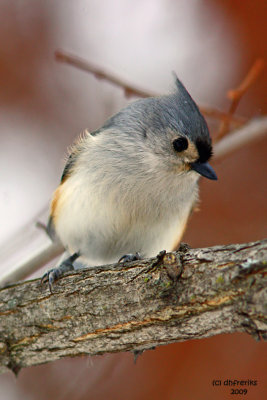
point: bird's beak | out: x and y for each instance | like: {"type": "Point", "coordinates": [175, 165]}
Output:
{"type": "Point", "coordinates": [205, 170]}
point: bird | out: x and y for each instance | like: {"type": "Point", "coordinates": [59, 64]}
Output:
{"type": "Point", "coordinates": [129, 187]}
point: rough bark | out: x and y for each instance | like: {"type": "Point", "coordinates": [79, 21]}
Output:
{"type": "Point", "coordinates": [191, 294]}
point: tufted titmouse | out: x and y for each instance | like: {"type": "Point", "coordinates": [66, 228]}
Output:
{"type": "Point", "coordinates": [129, 187]}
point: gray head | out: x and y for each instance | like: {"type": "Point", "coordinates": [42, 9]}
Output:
{"type": "Point", "coordinates": [172, 127]}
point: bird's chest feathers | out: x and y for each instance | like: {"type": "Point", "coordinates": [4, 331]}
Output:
{"type": "Point", "coordinates": [124, 215]}
{"type": "Point", "coordinates": [118, 203]}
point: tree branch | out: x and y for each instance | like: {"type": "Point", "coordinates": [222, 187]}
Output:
{"type": "Point", "coordinates": [132, 90]}
{"type": "Point", "coordinates": [100, 73]}
{"type": "Point", "coordinates": [191, 294]}
{"type": "Point", "coordinates": [235, 95]}
{"type": "Point", "coordinates": [251, 132]}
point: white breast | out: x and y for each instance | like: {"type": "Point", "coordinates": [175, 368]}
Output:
{"type": "Point", "coordinates": [104, 224]}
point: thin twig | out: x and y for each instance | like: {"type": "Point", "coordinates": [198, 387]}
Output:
{"type": "Point", "coordinates": [100, 73]}
{"type": "Point", "coordinates": [252, 131]}
{"type": "Point", "coordinates": [131, 90]}
{"type": "Point", "coordinates": [235, 96]}
{"type": "Point", "coordinates": [236, 120]}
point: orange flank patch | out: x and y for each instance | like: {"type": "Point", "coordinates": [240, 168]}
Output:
{"type": "Point", "coordinates": [54, 207]}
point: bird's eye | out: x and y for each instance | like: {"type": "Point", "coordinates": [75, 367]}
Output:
{"type": "Point", "coordinates": [180, 144]}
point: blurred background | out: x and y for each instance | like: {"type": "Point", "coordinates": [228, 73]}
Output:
{"type": "Point", "coordinates": [45, 104]}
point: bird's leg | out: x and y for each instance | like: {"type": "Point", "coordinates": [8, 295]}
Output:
{"type": "Point", "coordinates": [54, 274]}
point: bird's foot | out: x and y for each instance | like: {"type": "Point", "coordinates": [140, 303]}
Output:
{"type": "Point", "coordinates": [55, 274]}
{"type": "Point", "coordinates": [130, 257]}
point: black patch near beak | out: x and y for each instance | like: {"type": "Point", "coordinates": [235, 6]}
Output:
{"type": "Point", "coordinates": [205, 170]}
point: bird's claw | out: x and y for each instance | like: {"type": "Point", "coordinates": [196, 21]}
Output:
{"type": "Point", "coordinates": [54, 274]}
{"type": "Point", "coordinates": [51, 277]}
